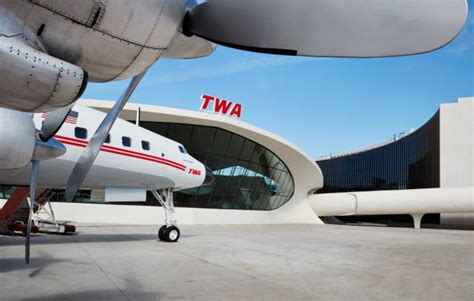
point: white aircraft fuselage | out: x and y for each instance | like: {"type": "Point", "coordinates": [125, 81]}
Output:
{"type": "Point", "coordinates": [165, 165]}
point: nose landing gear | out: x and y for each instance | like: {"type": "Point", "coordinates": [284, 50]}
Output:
{"type": "Point", "coordinates": [169, 232]}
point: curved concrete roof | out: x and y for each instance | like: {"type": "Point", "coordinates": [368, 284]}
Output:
{"type": "Point", "coordinates": [306, 174]}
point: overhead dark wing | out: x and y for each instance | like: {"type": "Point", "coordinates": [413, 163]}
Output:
{"type": "Point", "coordinates": [333, 28]}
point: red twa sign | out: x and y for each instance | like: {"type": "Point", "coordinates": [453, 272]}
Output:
{"type": "Point", "coordinates": [221, 106]}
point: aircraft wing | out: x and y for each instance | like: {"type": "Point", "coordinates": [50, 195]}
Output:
{"type": "Point", "coordinates": [332, 28]}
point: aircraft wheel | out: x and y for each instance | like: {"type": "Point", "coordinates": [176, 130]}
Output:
{"type": "Point", "coordinates": [161, 233]}
{"type": "Point", "coordinates": [172, 234]}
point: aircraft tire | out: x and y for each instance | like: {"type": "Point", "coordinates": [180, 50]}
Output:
{"type": "Point", "coordinates": [172, 234]}
{"type": "Point", "coordinates": [161, 233]}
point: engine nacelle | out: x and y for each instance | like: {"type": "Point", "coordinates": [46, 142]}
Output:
{"type": "Point", "coordinates": [112, 40]}
{"type": "Point", "coordinates": [17, 139]}
{"type": "Point", "coordinates": [32, 81]}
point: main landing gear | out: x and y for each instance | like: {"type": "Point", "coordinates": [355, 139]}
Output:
{"type": "Point", "coordinates": [168, 232]}
{"type": "Point", "coordinates": [46, 221]}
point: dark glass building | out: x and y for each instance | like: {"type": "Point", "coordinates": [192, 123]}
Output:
{"type": "Point", "coordinates": [407, 162]}
{"type": "Point", "coordinates": [410, 161]}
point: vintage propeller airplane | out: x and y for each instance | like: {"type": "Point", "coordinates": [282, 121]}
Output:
{"type": "Point", "coordinates": [51, 49]}
{"type": "Point", "coordinates": [132, 160]}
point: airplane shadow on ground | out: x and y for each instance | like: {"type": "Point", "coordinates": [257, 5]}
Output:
{"type": "Point", "coordinates": [37, 264]}
{"type": "Point", "coordinates": [46, 239]}
{"type": "Point", "coordinates": [132, 290]}
{"type": "Point", "coordinates": [100, 295]}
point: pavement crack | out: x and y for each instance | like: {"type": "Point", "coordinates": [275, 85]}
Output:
{"type": "Point", "coordinates": [101, 269]}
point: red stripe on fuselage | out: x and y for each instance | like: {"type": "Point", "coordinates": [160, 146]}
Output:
{"type": "Point", "coordinates": [119, 151]}
{"type": "Point", "coordinates": [123, 150]}
{"type": "Point", "coordinates": [142, 156]}
{"type": "Point", "coordinates": [125, 154]}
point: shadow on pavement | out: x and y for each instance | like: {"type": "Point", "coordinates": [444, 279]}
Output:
{"type": "Point", "coordinates": [46, 239]}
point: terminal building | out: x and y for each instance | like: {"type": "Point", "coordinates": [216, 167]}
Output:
{"type": "Point", "coordinates": [259, 177]}
{"type": "Point", "coordinates": [426, 174]}
{"type": "Point", "coordinates": [409, 160]}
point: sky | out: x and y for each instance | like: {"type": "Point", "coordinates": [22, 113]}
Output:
{"type": "Point", "coordinates": [323, 105]}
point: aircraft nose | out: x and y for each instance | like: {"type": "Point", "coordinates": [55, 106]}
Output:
{"type": "Point", "coordinates": [209, 179]}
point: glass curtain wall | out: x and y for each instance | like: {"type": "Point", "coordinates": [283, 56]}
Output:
{"type": "Point", "coordinates": [247, 175]}
{"type": "Point", "coordinates": [407, 163]}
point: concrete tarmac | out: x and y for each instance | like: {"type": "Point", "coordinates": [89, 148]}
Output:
{"type": "Point", "coordinates": [252, 262]}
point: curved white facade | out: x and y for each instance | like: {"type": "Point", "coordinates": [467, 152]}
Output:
{"type": "Point", "coordinates": [305, 172]}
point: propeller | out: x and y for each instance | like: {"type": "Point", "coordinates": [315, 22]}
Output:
{"type": "Point", "coordinates": [47, 148]}
{"type": "Point", "coordinates": [34, 174]}
{"type": "Point", "coordinates": [92, 149]}
{"type": "Point", "coordinates": [349, 28]}
{"type": "Point", "coordinates": [53, 122]}
{"type": "Point", "coordinates": [44, 149]}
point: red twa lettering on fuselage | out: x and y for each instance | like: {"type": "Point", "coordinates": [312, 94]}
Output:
{"type": "Point", "coordinates": [195, 172]}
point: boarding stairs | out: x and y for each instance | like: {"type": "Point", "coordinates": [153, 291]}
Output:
{"type": "Point", "coordinates": [14, 214]}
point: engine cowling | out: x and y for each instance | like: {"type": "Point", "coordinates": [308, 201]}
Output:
{"type": "Point", "coordinates": [32, 81]}
{"type": "Point", "coordinates": [112, 40]}
{"type": "Point", "coordinates": [17, 139]}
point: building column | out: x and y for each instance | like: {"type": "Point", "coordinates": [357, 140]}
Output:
{"type": "Point", "coordinates": [417, 219]}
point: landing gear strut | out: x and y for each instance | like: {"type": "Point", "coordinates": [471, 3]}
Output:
{"type": "Point", "coordinates": [168, 232]}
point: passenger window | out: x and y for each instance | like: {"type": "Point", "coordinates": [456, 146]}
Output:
{"type": "Point", "coordinates": [107, 140]}
{"type": "Point", "coordinates": [146, 145]}
{"type": "Point", "coordinates": [182, 149]}
{"type": "Point", "coordinates": [126, 141]}
{"type": "Point", "coordinates": [80, 133]}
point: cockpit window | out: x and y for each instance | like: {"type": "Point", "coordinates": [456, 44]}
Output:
{"type": "Point", "coordinates": [182, 149]}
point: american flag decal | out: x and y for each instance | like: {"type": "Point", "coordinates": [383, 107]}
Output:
{"type": "Point", "coordinates": [71, 117]}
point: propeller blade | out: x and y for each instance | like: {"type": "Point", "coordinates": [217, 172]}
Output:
{"type": "Point", "coordinates": [92, 149]}
{"type": "Point", "coordinates": [53, 122]}
{"type": "Point", "coordinates": [34, 174]}
{"type": "Point", "coordinates": [349, 28]}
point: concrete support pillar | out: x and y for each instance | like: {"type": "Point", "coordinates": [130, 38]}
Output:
{"type": "Point", "coordinates": [417, 219]}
